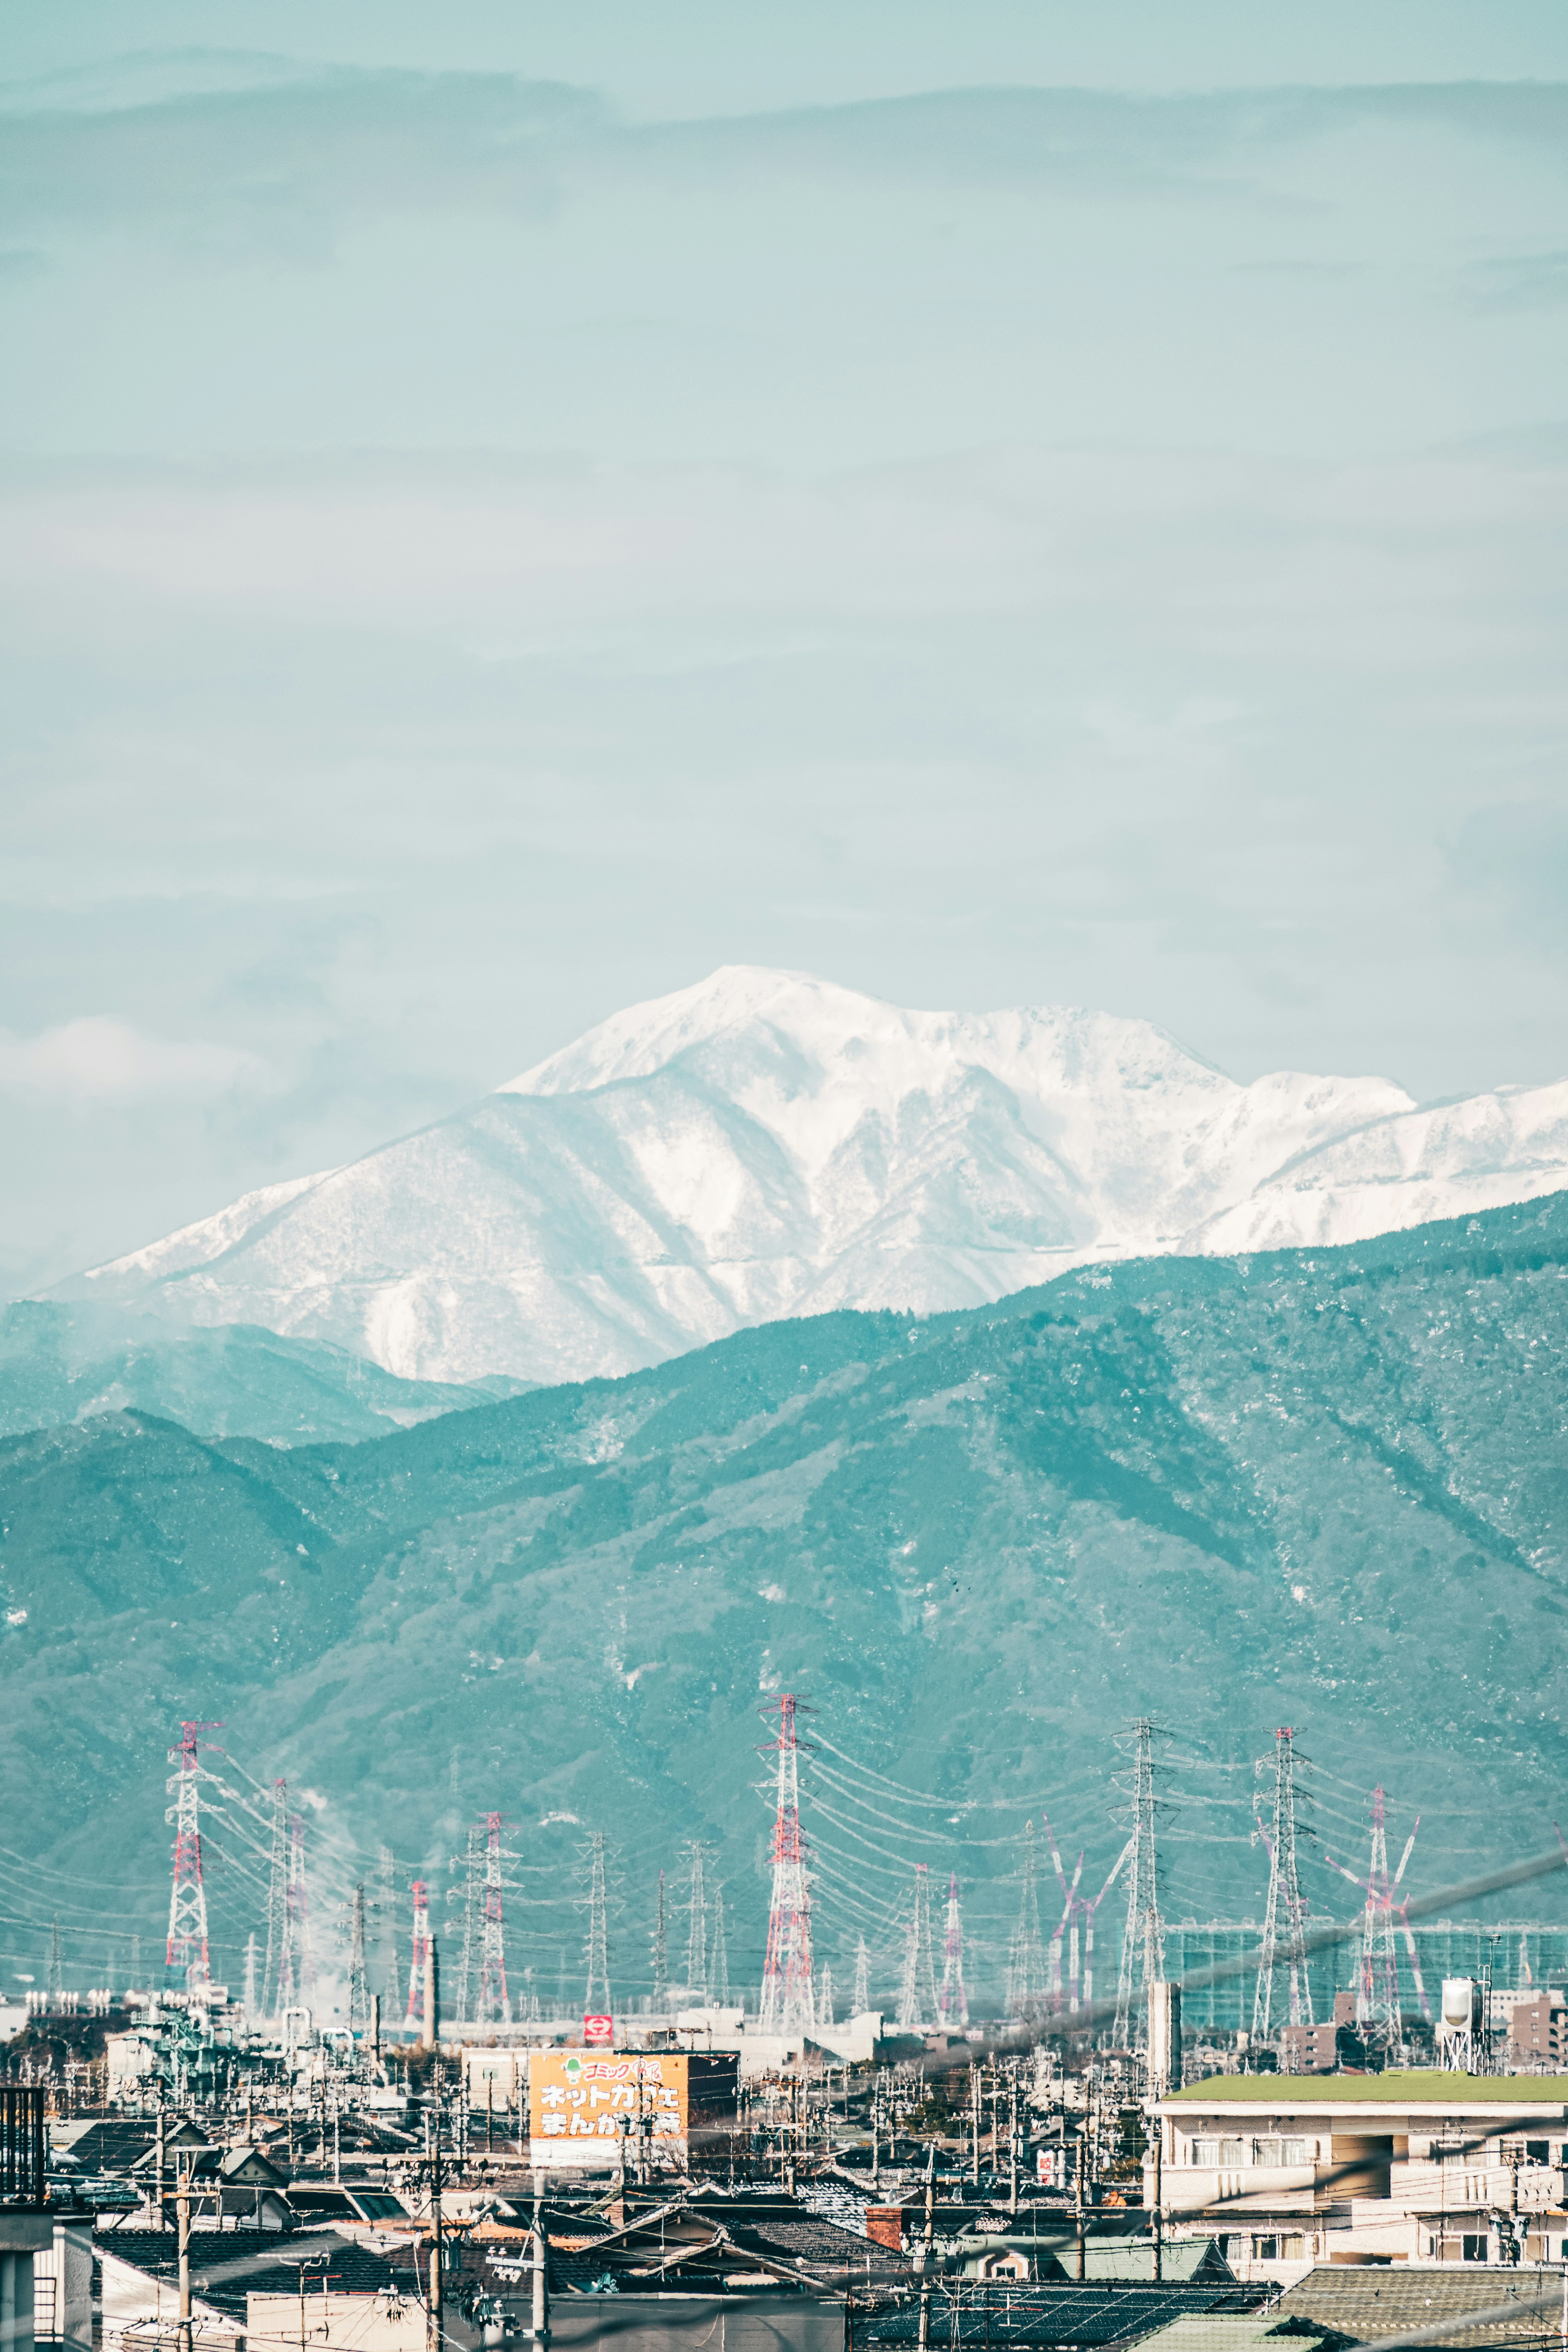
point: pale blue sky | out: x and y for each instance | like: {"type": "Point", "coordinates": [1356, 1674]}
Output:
{"type": "Point", "coordinates": [506, 508]}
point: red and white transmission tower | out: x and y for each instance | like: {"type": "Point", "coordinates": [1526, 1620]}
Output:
{"type": "Point", "coordinates": [187, 1953]}
{"type": "Point", "coordinates": [414, 2018]}
{"type": "Point", "coordinates": [494, 2008]}
{"type": "Point", "coordinates": [789, 1996]}
{"type": "Point", "coordinates": [952, 2001]}
{"type": "Point", "coordinates": [1377, 1981]}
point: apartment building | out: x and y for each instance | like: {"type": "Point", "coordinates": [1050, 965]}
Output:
{"type": "Point", "coordinates": [1290, 2171]}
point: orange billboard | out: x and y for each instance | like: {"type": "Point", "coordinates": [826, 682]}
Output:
{"type": "Point", "coordinates": [590, 2110]}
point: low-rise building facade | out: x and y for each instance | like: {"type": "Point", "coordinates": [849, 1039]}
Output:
{"type": "Point", "coordinates": [1288, 2172]}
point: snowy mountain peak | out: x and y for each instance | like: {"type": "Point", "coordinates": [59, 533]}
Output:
{"type": "Point", "coordinates": [766, 1143]}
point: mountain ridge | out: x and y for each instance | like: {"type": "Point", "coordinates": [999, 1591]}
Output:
{"type": "Point", "coordinates": [1323, 1486]}
{"type": "Point", "coordinates": [767, 1144]}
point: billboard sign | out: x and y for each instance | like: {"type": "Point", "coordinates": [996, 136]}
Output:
{"type": "Point", "coordinates": [599, 2030]}
{"type": "Point", "coordinates": [589, 2110]}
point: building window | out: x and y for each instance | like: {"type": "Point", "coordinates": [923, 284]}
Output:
{"type": "Point", "coordinates": [1205, 2151]}
{"type": "Point", "coordinates": [1539, 2151]}
{"type": "Point", "coordinates": [1293, 2151]}
{"type": "Point", "coordinates": [1473, 2247]}
{"type": "Point", "coordinates": [1266, 2151]}
{"type": "Point", "coordinates": [1235, 2151]}
{"type": "Point", "coordinates": [1292, 2248]}
{"type": "Point", "coordinates": [1265, 2250]}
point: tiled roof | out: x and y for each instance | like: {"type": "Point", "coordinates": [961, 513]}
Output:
{"type": "Point", "coordinates": [1225, 2331]}
{"type": "Point", "coordinates": [1364, 2302]}
{"type": "Point", "coordinates": [1070, 2315]}
{"type": "Point", "coordinates": [228, 2264]}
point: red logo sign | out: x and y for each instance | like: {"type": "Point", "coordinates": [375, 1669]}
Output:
{"type": "Point", "coordinates": [598, 2029]}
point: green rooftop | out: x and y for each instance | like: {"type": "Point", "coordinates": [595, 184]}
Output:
{"type": "Point", "coordinates": [1429, 2088]}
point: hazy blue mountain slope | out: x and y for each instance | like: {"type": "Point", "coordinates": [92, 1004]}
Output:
{"type": "Point", "coordinates": [61, 1363]}
{"type": "Point", "coordinates": [1324, 1487]}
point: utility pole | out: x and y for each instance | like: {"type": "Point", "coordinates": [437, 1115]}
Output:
{"type": "Point", "coordinates": [1081, 2153]}
{"type": "Point", "coordinates": [928, 2248]}
{"type": "Point", "coordinates": [432, 2325]}
{"type": "Point", "coordinates": [183, 2221]}
{"type": "Point", "coordinates": [1012, 2138]}
{"type": "Point", "coordinates": [974, 2123]}
{"type": "Point", "coordinates": [1159, 2221]}
{"type": "Point", "coordinates": [540, 2332]}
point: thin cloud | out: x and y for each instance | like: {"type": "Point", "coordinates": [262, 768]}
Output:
{"type": "Point", "coordinates": [284, 160]}
{"type": "Point", "coordinates": [95, 1059]}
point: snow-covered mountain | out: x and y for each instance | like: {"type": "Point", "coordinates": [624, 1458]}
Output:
{"type": "Point", "coordinates": [767, 1144]}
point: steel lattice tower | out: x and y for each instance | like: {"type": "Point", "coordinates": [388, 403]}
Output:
{"type": "Point", "coordinates": [697, 1933]}
{"type": "Point", "coordinates": [277, 1900]}
{"type": "Point", "coordinates": [917, 1997]}
{"type": "Point", "coordinates": [598, 1951]}
{"type": "Point", "coordinates": [789, 1997]}
{"type": "Point", "coordinates": [1377, 2002]}
{"type": "Point", "coordinates": [1143, 1939]}
{"type": "Point", "coordinates": [1377, 1977]}
{"type": "Point", "coordinates": [862, 1978]}
{"type": "Point", "coordinates": [248, 1995]}
{"type": "Point", "coordinates": [719, 1977]}
{"type": "Point", "coordinates": [494, 2003]}
{"type": "Point", "coordinates": [414, 2015]}
{"type": "Point", "coordinates": [389, 1928]}
{"type": "Point", "coordinates": [660, 1956]}
{"type": "Point", "coordinates": [358, 1989]}
{"type": "Point", "coordinates": [186, 1954]}
{"type": "Point", "coordinates": [1025, 1949]}
{"type": "Point", "coordinates": [952, 2001]}
{"type": "Point", "coordinates": [824, 1996]}
{"type": "Point", "coordinates": [57, 1970]}
{"type": "Point", "coordinates": [297, 1970]}
{"type": "Point", "coordinates": [1282, 1961]}
{"type": "Point", "coordinates": [465, 1985]}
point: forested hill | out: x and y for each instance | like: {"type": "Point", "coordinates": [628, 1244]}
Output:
{"type": "Point", "coordinates": [1322, 1487]}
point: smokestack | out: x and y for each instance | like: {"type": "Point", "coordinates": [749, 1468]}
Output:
{"type": "Point", "coordinates": [432, 2034]}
